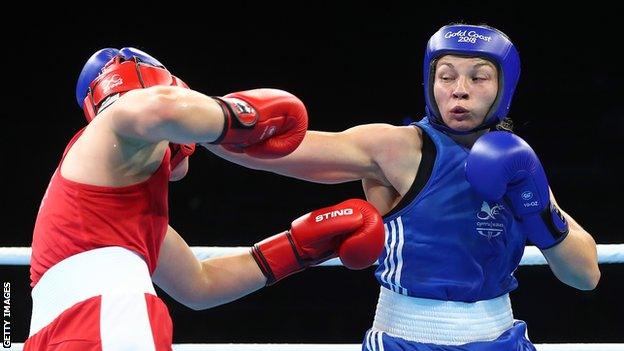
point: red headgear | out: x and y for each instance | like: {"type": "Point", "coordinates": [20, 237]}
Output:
{"type": "Point", "coordinates": [120, 75]}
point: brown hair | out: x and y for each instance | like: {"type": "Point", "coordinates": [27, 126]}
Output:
{"type": "Point", "coordinates": [505, 125]}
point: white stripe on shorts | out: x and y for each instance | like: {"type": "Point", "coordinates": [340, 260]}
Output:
{"type": "Point", "coordinates": [379, 336]}
{"type": "Point", "coordinates": [124, 323]}
{"type": "Point", "coordinates": [368, 340]}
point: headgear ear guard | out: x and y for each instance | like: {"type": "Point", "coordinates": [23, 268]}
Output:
{"type": "Point", "coordinates": [110, 73]}
{"type": "Point", "coordinates": [473, 41]}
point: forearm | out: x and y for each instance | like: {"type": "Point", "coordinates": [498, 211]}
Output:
{"type": "Point", "coordinates": [212, 282]}
{"type": "Point", "coordinates": [322, 157]}
{"type": "Point", "coordinates": [272, 165]}
{"type": "Point", "coordinates": [574, 261]}
{"type": "Point", "coordinates": [228, 278]}
{"type": "Point", "coordinates": [189, 117]}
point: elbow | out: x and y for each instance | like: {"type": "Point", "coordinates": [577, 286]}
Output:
{"type": "Point", "coordinates": [582, 276]}
{"type": "Point", "coordinates": [590, 281]}
{"type": "Point", "coordinates": [193, 296]}
{"type": "Point", "coordinates": [196, 304]}
{"type": "Point", "coordinates": [592, 275]}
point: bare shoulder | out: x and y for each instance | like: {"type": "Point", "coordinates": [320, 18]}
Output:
{"type": "Point", "coordinates": [101, 156]}
{"type": "Point", "coordinates": [384, 136]}
{"type": "Point", "coordinates": [397, 152]}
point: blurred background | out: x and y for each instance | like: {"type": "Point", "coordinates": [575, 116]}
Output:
{"type": "Point", "coordinates": [350, 66]}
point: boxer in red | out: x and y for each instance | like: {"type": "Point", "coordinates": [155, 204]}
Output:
{"type": "Point", "coordinates": [102, 235]}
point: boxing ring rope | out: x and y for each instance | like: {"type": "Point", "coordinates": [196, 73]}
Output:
{"type": "Point", "coordinates": [607, 253]}
{"type": "Point", "coordinates": [351, 347]}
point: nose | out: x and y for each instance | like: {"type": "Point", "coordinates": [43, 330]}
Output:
{"type": "Point", "coordinates": [460, 91]}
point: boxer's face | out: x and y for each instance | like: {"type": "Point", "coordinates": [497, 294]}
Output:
{"type": "Point", "coordinates": [464, 89]}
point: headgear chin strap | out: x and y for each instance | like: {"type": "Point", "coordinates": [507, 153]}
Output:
{"type": "Point", "coordinates": [110, 73]}
{"type": "Point", "coordinates": [473, 41]}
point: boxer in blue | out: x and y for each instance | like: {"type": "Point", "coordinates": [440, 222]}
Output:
{"type": "Point", "coordinates": [461, 196]}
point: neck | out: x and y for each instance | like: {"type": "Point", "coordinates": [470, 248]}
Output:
{"type": "Point", "coordinates": [467, 140]}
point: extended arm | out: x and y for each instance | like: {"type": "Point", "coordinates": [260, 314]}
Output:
{"type": "Point", "coordinates": [354, 154]}
{"type": "Point", "coordinates": [351, 230]}
{"type": "Point", "coordinates": [204, 284]}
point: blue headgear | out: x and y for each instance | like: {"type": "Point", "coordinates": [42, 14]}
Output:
{"type": "Point", "coordinates": [476, 41]}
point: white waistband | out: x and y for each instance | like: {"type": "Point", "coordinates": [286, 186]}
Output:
{"type": "Point", "coordinates": [87, 274]}
{"type": "Point", "coordinates": [442, 322]}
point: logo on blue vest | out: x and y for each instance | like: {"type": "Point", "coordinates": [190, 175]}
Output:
{"type": "Point", "coordinates": [488, 212]}
{"type": "Point", "coordinates": [490, 224]}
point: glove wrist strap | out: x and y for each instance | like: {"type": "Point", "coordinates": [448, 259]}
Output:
{"type": "Point", "coordinates": [277, 257]}
{"type": "Point", "coordinates": [556, 223]}
{"type": "Point", "coordinates": [546, 229]}
{"type": "Point", "coordinates": [239, 119]}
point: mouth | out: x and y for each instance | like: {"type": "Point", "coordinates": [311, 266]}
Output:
{"type": "Point", "coordinates": [459, 112]}
{"type": "Point", "coordinates": [459, 109]}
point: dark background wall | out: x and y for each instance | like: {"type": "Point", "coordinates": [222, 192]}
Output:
{"type": "Point", "coordinates": [350, 66]}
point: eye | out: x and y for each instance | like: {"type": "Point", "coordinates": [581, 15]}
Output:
{"type": "Point", "coordinates": [445, 77]}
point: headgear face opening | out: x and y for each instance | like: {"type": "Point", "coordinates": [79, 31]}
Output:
{"type": "Point", "coordinates": [472, 41]}
{"type": "Point", "coordinates": [110, 73]}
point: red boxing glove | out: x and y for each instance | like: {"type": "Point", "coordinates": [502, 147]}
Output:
{"type": "Point", "coordinates": [263, 123]}
{"type": "Point", "coordinates": [353, 230]}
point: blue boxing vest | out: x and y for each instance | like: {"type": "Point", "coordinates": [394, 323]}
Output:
{"type": "Point", "coordinates": [448, 243]}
